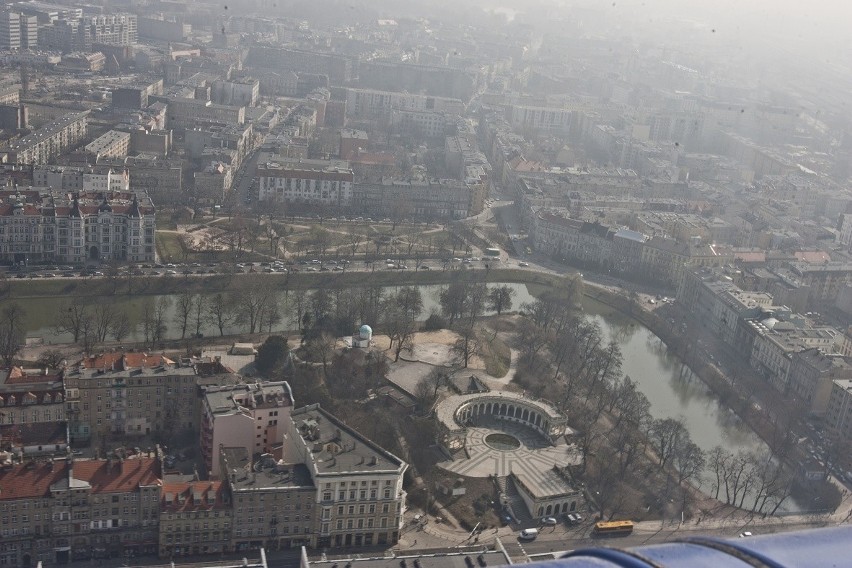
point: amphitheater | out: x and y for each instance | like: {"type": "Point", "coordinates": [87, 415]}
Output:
{"type": "Point", "coordinates": [498, 432]}
{"type": "Point", "coordinates": [520, 440]}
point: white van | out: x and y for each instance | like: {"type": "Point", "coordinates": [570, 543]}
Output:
{"type": "Point", "coordinates": [528, 534]}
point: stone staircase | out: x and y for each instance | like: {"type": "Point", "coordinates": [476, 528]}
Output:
{"type": "Point", "coordinates": [515, 503]}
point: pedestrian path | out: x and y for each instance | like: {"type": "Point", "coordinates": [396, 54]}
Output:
{"type": "Point", "coordinates": [532, 457]}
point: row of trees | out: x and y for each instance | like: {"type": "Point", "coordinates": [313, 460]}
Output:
{"type": "Point", "coordinates": [566, 357]}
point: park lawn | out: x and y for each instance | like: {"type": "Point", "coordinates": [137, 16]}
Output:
{"type": "Point", "coordinates": [495, 353]}
{"type": "Point", "coordinates": [169, 247]}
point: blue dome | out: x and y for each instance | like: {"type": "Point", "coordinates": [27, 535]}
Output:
{"type": "Point", "coordinates": [365, 329]}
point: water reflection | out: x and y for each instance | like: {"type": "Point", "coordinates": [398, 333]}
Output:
{"type": "Point", "coordinates": [672, 388]}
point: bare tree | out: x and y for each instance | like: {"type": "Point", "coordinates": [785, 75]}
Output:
{"type": "Point", "coordinates": [689, 461]}
{"type": "Point", "coordinates": [185, 302]}
{"type": "Point", "coordinates": [321, 348]}
{"type": "Point", "coordinates": [298, 300]}
{"type": "Point", "coordinates": [627, 444]}
{"type": "Point", "coordinates": [500, 298]}
{"type": "Point", "coordinates": [666, 434]}
{"type": "Point", "coordinates": [424, 394]}
{"type": "Point", "coordinates": [154, 320]}
{"type": "Point", "coordinates": [51, 358]}
{"type": "Point", "coordinates": [353, 240]}
{"type": "Point", "coordinates": [452, 300]}
{"type": "Point", "coordinates": [251, 302]}
{"type": "Point", "coordinates": [467, 345]}
{"type": "Point", "coordinates": [88, 335]}
{"type": "Point", "coordinates": [272, 313]}
{"type": "Point", "coordinates": [221, 312]}
{"type": "Point", "coordinates": [199, 305]}
{"type": "Point", "coordinates": [632, 407]}
{"type": "Point", "coordinates": [104, 315]}
{"type": "Point", "coordinates": [70, 319]}
{"type": "Point", "coordinates": [13, 333]}
{"type": "Point", "coordinates": [121, 327]}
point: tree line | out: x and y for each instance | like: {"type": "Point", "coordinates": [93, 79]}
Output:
{"type": "Point", "coordinates": [566, 358]}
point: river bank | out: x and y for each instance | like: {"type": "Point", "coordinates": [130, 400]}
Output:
{"type": "Point", "coordinates": [210, 284]}
{"type": "Point", "coordinates": [746, 411]}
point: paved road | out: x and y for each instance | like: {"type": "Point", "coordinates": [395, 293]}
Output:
{"type": "Point", "coordinates": [556, 542]}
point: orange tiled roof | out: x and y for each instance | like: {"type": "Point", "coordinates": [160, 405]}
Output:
{"type": "Point", "coordinates": [17, 376]}
{"type": "Point", "coordinates": [125, 361]}
{"type": "Point", "coordinates": [30, 480]}
{"type": "Point", "coordinates": [117, 477]}
{"type": "Point", "coordinates": [213, 493]}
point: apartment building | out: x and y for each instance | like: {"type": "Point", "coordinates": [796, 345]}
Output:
{"type": "Point", "coordinates": [188, 113]}
{"type": "Point", "coordinates": [359, 498]}
{"type": "Point", "coordinates": [812, 374]}
{"type": "Point", "coordinates": [195, 518]}
{"type": "Point", "coordinates": [541, 118]}
{"type": "Point", "coordinates": [429, 199]}
{"type": "Point", "coordinates": [81, 179]}
{"type": "Point", "coordinates": [49, 141]}
{"type": "Point", "coordinates": [10, 30]}
{"type": "Point", "coordinates": [338, 68]}
{"type": "Point", "coordinates": [109, 29]}
{"type": "Point", "coordinates": [375, 104]}
{"type": "Point", "coordinates": [213, 182]}
{"type": "Point", "coordinates": [309, 182]}
{"type": "Point", "coordinates": [774, 344]}
{"type": "Point", "coordinates": [50, 225]}
{"type": "Point", "coordinates": [251, 416]}
{"type": "Point", "coordinates": [129, 394]}
{"type": "Point", "coordinates": [10, 94]}
{"type": "Point", "coordinates": [838, 416]}
{"type": "Point", "coordinates": [113, 144]}
{"type": "Point", "coordinates": [237, 139]}
{"type": "Point", "coordinates": [160, 178]}
{"type": "Point", "coordinates": [136, 96]}
{"type": "Point", "coordinates": [58, 511]}
{"type": "Point", "coordinates": [824, 280]}
{"type": "Point", "coordinates": [240, 92]}
{"type": "Point", "coordinates": [31, 396]}
{"type": "Point", "coordinates": [273, 503]}
{"type": "Point", "coordinates": [424, 123]}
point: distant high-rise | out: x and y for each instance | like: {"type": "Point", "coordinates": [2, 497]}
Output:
{"type": "Point", "coordinates": [29, 31]}
{"type": "Point", "coordinates": [10, 30]}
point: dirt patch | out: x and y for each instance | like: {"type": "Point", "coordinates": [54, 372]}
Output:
{"type": "Point", "coordinates": [477, 505]}
{"type": "Point", "coordinates": [436, 348]}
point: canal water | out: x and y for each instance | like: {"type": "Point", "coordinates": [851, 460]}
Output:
{"type": "Point", "coordinates": [673, 390]}
{"type": "Point", "coordinates": [42, 313]}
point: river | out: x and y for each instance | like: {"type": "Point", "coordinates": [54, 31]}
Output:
{"type": "Point", "coordinates": [41, 313]}
{"type": "Point", "coordinates": [673, 390]}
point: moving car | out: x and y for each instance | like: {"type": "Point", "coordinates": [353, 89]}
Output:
{"type": "Point", "coordinates": [528, 534]}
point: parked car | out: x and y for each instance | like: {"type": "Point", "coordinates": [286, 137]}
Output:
{"type": "Point", "coordinates": [549, 521]}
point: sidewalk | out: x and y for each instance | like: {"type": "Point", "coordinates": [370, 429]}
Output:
{"type": "Point", "coordinates": [433, 534]}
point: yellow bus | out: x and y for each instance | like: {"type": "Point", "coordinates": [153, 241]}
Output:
{"type": "Point", "coordinates": [612, 528]}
